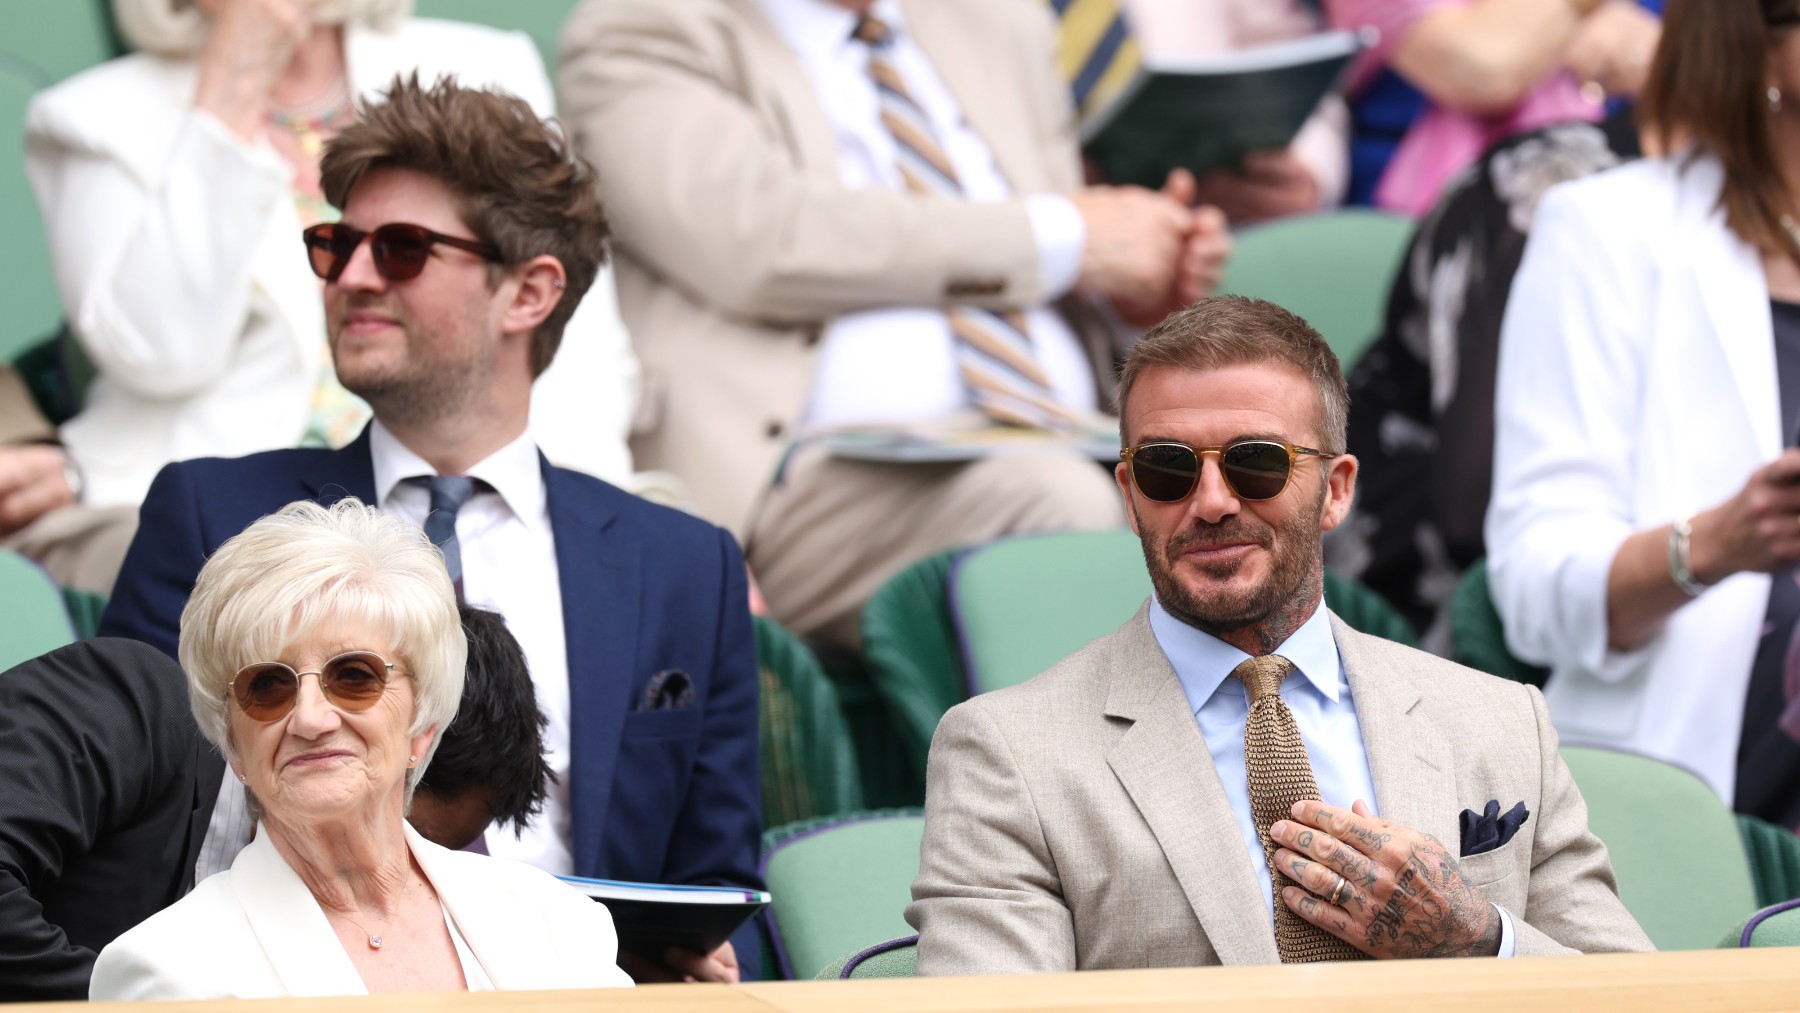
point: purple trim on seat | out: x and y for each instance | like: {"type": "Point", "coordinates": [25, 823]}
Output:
{"type": "Point", "coordinates": [1764, 915]}
{"type": "Point", "coordinates": [875, 951]}
{"type": "Point", "coordinates": [762, 871]}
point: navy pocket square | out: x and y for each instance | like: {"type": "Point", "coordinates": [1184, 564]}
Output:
{"type": "Point", "coordinates": [668, 690]}
{"type": "Point", "coordinates": [1489, 831]}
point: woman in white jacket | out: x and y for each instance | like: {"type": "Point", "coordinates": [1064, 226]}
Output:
{"type": "Point", "coordinates": [1646, 481]}
{"type": "Point", "coordinates": [174, 184]}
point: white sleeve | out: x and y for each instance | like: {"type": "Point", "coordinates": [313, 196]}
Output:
{"type": "Point", "coordinates": [1566, 404]}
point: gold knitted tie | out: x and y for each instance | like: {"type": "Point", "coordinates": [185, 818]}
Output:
{"type": "Point", "coordinates": [1279, 774]}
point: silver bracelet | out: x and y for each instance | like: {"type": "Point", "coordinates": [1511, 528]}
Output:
{"type": "Point", "coordinates": [1679, 570]}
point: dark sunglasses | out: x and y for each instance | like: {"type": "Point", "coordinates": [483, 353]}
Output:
{"type": "Point", "coordinates": [352, 681]}
{"type": "Point", "coordinates": [1254, 469]}
{"type": "Point", "coordinates": [400, 250]}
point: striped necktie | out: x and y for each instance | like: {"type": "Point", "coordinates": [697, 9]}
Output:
{"type": "Point", "coordinates": [1278, 775]}
{"type": "Point", "coordinates": [993, 347]}
{"type": "Point", "coordinates": [1095, 51]}
{"type": "Point", "coordinates": [448, 494]}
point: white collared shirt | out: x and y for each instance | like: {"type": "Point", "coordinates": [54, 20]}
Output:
{"type": "Point", "coordinates": [1318, 695]}
{"type": "Point", "coordinates": [897, 364]}
{"type": "Point", "coordinates": [509, 566]}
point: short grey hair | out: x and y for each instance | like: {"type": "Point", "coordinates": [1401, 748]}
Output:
{"type": "Point", "coordinates": [305, 565]}
{"type": "Point", "coordinates": [177, 28]}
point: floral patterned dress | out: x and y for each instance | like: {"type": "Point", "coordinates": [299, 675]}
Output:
{"type": "Point", "coordinates": [1422, 397]}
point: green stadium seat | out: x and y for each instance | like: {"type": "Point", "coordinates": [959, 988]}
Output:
{"type": "Point", "coordinates": [57, 38]}
{"type": "Point", "coordinates": [894, 958]}
{"type": "Point", "coordinates": [36, 618]}
{"type": "Point", "coordinates": [540, 19]}
{"type": "Point", "coordinates": [1774, 854]}
{"type": "Point", "coordinates": [1477, 638]}
{"type": "Point", "coordinates": [839, 884]}
{"type": "Point", "coordinates": [1675, 847]}
{"type": "Point", "coordinates": [809, 766]}
{"type": "Point", "coordinates": [1332, 268]}
{"type": "Point", "coordinates": [1776, 925]}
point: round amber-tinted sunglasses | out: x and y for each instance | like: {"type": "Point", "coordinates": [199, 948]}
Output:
{"type": "Point", "coordinates": [352, 681]}
{"type": "Point", "coordinates": [1253, 469]}
{"type": "Point", "coordinates": [399, 249]}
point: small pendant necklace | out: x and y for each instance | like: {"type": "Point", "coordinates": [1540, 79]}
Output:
{"type": "Point", "coordinates": [311, 123]}
{"type": "Point", "coordinates": [1792, 228]}
{"type": "Point", "coordinates": [375, 937]}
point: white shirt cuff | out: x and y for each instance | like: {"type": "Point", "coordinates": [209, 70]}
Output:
{"type": "Point", "coordinates": [1509, 943]}
{"type": "Point", "coordinates": [1060, 234]}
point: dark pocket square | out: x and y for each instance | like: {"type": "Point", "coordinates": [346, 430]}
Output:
{"type": "Point", "coordinates": [1484, 833]}
{"type": "Point", "coordinates": [668, 690]}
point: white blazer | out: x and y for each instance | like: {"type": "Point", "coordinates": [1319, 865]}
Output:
{"type": "Point", "coordinates": [255, 931]}
{"type": "Point", "coordinates": [1637, 386]}
{"type": "Point", "coordinates": [177, 254]}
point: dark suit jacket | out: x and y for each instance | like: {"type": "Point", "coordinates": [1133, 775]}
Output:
{"type": "Point", "coordinates": [659, 795]}
{"type": "Point", "coordinates": [108, 787]}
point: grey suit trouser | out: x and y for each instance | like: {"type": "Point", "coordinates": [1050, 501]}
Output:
{"type": "Point", "coordinates": [834, 530]}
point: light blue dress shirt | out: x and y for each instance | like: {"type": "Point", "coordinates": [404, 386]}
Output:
{"type": "Point", "coordinates": [1318, 694]}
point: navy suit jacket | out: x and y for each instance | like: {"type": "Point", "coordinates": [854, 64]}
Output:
{"type": "Point", "coordinates": [668, 796]}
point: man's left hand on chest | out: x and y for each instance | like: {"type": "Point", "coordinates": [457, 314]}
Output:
{"type": "Point", "coordinates": [1404, 892]}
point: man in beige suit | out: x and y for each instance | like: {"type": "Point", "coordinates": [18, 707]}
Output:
{"type": "Point", "coordinates": [791, 261]}
{"type": "Point", "coordinates": [1125, 808]}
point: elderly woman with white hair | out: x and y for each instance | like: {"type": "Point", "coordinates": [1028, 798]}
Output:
{"type": "Point", "coordinates": [324, 654]}
{"type": "Point", "coordinates": [174, 184]}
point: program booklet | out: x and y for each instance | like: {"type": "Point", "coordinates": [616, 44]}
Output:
{"type": "Point", "coordinates": [650, 917]}
{"type": "Point", "coordinates": [1206, 112]}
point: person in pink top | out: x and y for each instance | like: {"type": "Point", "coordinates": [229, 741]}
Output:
{"type": "Point", "coordinates": [1490, 69]}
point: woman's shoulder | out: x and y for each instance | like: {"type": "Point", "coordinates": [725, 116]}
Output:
{"type": "Point", "coordinates": [126, 90]}
{"type": "Point", "coordinates": [477, 55]}
{"type": "Point", "coordinates": [1643, 194]}
{"type": "Point", "coordinates": [159, 957]}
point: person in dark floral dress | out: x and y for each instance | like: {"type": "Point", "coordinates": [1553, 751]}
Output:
{"type": "Point", "coordinates": [1422, 397]}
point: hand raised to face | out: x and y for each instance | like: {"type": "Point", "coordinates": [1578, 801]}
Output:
{"type": "Point", "coordinates": [1404, 894]}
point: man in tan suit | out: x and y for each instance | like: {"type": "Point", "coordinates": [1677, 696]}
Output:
{"type": "Point", "coordinates": [1126, 808]}
{"type": "Point", "coordinates": [808, 195]}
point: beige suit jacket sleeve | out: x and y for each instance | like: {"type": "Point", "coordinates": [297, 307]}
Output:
{"type": "Point", "coordinates": [678, 104]}
{"type": "Point", "coordinates": [987, 899]}
{"type": "Point", "coordinates": [1573, 902]}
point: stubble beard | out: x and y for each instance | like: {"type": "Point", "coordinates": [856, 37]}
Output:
{"type": "Point", "coordinates": [1269, 612]}
{"type": "Point", "coordinates": [415, 393]}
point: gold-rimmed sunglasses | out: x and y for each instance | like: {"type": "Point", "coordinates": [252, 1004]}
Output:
{"type": "Point", "coordinates": [352, 681]}
{"type": "Point", "coordinates": [1254, 470]}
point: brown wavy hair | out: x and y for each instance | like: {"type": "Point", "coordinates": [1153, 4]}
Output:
{"type": "Point", "coordinates": [1708, 87]}
{"type": "Point", "coordinates": [518, 182]}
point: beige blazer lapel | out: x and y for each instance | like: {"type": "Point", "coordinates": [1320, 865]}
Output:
{"type": "Point", "coordinates": [1165, 767]}
{"type": "Point", "coordinates": [981, 83]}
{"type": "Point", "coordinates": [289, 925]}
{"type": "Point", "coordinates": [779, 84]}
{"type": "Point", "coordinates": [1413, 765]}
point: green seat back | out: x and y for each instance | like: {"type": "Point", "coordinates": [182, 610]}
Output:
{"type": "Point", "coordinates": [58, 37]}
{"type": "Point", "coordinates": [839, 884]}
{"type": "Point", "coordinates": [540, 19]}
{"type": "Point", "coordinates": [1333, 269]}
{"type": "Point", "coordinates": [1022, 604]}
{"type": "Point", "coordinates": [1776, 925]}
{"type": "Point", "coordinates": [910, 655]}
{"type": "Point", "coordinates": [1675, 846]}
{"type": "Point", "coordinates": [35, 618]}
{"type": "Point", "coordinates": [808, 757]}
{"type": "Point", "coordinates": [1477, 638]}
{"type": "Point", "coordinates": [1774, 854]}
{"type": "Point", "coordinates": [895, 958]}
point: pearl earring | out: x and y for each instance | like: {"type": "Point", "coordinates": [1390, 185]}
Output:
{"type": "Point", "coordinates": [412, 759]}
{"type": "Point", "coordinates": [240, 776]}
{"type": "Point", "coordinates": [1774, 99]}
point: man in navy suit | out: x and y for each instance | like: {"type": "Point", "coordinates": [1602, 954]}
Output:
{"type": "Point", "coordinates": [470, 231]}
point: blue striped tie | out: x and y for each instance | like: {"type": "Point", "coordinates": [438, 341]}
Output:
{"type": "Point", "coordinates": [993, 347]}
{"type": "Point", "coordinates": [448, 494]}
{"type": "Point", "coordinates": [1095, 50]}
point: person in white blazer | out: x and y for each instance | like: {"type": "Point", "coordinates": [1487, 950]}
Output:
{"type": "Point", "coordinates": [324, 653]}
{"type": "Point", "coordinates": [175, 237]}
{"type": "Point", "coordinates": [1646, 485]}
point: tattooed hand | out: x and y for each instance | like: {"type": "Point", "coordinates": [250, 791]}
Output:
{"type": "Point", "coordinates": [1405, 896]}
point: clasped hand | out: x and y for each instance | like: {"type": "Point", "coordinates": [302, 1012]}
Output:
{"type": "Point", "coordinates": [1404, 894]}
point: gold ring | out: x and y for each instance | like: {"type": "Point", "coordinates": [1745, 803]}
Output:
{"type": "Point", "coordinates": [1337, 892]}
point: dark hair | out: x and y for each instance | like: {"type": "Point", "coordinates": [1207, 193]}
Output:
{"type": "Point", "coordinates": [1235, 330]}
{"type": "Point", "coordinates": [497, 739]}
{"type": "Point", "coordinates": [518, 182]}
{"type": "Point", "coordinates": [1708, 86]}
